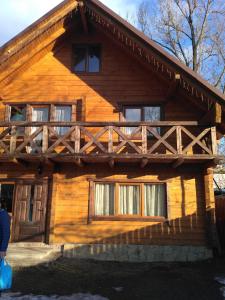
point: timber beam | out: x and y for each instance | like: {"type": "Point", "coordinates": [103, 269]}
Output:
{"type": "Point", "coordinates": [83, 17]}
{"type": "Point", "coordinates": [19, 161]}
{"type": "Point", "coordinates": [173, 87]}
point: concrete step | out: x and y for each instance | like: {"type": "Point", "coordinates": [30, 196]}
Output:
{"type": "Point", "coordinates": [31, 255]}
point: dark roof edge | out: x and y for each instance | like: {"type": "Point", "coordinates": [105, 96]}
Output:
{"type": "Point", "coordinates": [160, 51]}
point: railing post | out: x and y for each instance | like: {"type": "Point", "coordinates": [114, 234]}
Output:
{"type": "Point", "coordinates": [77, 139]}
{"type": "Point", "coordinates": [110, 143]}
{"type": "Point", "coordinates": [45, 139]}
{"type": "Point", "coordinates": [144, 139]}
{"type": "Point", "coordinates": [214, 140]}
{"type": "Point", "coordinates": [179, 140]}
{"type": "Point", "coordinates": [13, 140]}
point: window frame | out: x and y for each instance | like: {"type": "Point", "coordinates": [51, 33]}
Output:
{"type": "Point", "coordinates": [118, 217]}
{"type": "Point", "coordinates": [141, 106]}
{"type": "Point", "coordinates": [51, 106]}
{"type": "Point", "coordinates": [86, 46]}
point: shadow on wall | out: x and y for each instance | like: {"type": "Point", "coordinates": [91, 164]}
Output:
{"type": "Point", "coordinates": [180, 239]}
{"type": "Point", "coordinates": [175, 239]}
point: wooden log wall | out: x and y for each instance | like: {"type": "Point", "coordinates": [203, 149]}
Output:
{"type": "Point", "coordinates": [186, 209]}
{"type": "Point", "coordinates": [121, 80]}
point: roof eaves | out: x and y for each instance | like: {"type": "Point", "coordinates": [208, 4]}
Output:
{"type": "Point", "coordinates": [161, 52]}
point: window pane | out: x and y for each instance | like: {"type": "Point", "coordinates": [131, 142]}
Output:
{"type": "Point", "coordinates": [132, 115]}
{"type": "Point", "coordinates": [63, 114]}
{"type": "Point", "coordinates": [104, 199]}
{"type": "Point", "coordinates": [94, 59]}
{"type": "Point", "coordinates": [151, 114]}
{"type": "Point", "coordinates": [39, 114]}
{"type": "Point", "coordinates": [155, 202]}
{"type": "Point", "coordinates": [80, 57]}
{"type": "Point", "coordinates": [31, 204]}
{"type": "Point", "coordinates": [6, 196]}
{"type": "Point", "coordinates": [129, 199]}
{"type": "Point", "coordinates": [18, 113]}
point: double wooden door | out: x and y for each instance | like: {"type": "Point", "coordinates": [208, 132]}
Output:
{"type": "Point", "coordinates": [29, 213]}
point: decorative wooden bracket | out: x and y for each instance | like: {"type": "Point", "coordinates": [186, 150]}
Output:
{"type": "Point", "coordinates": [178, 162]}
{"type": "Point", "coordinates": [79, 162]}
{"type": "Point", "coordinates": [173, 87]}
{"type": "Point", "coordinates": [144, 162]}
{"type": "Point", "coordinates": [83, 17]}
{"type": "Point", "coordinates": [111, 163]}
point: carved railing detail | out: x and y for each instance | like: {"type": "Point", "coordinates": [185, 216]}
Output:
{"type": "Point", "coordinates": [108, 139]}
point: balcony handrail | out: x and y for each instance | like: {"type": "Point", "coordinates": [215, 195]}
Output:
{"type": "Point", "coordinates": [107, 138]}
{"type": "Point", "coordinates": [102, 124]}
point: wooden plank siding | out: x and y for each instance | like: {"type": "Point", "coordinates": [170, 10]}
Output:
{"type": "Point", "coordinates": [121, 80]}
{"type": "Point", "coordinates": [68, 214]}
{"type": "Point", "coordinates": [186, 210]}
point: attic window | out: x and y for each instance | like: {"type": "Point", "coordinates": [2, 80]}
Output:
{"type": "Point", "coordinates": [87, 58]}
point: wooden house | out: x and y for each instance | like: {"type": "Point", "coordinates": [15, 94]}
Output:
{"type": "Point", "coordinates": [107, 143]}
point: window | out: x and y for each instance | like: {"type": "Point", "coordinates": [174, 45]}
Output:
{"type": "Point", "coordinates": [62, 114]}
{"type": "Point", "coordinates": [6, 196]}
{"type": "Point", "coordinates": [18, 113]}
{"type": "Point", "coordinates": [138, 114]}
{"type": "Point", "coordinates": [87, 58]}
{"type": "Point", "coordinates": [128, 200]}
{"type": "Point", "coordinates": [40, 113]}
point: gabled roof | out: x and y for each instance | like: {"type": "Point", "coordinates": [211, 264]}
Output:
{"type": "Point", "coordinates": [125, 34]}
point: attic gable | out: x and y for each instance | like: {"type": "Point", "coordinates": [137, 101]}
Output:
{"type": "Point", "coordinates": [47, 32]}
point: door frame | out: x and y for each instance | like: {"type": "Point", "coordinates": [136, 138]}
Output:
{"type": "Point", "coordinates": [15, 181]}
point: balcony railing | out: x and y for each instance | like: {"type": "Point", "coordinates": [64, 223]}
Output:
{"type": "Point", "coordinates": [90, 141]}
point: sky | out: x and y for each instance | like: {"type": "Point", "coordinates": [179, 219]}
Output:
{"type": "Point", "coordinates": [16, 15]}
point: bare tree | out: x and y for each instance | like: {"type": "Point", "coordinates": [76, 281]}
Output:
{"type": "Point", "coordinates": [192, 30]}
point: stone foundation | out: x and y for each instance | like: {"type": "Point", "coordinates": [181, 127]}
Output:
{"type": "Point", "coordinates": [137, 253]}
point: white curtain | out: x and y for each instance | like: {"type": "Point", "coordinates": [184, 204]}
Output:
{"type": "Point", "coordinates": [104, 199]}
{"type": "Point", "coordinates": [155, 202]}
{"type": "Point", "coordinates": [129, 199]}
{"type": "Point", "coordinates": [39, 114]}
{"type": "Point", "coordinates": [62, 114]}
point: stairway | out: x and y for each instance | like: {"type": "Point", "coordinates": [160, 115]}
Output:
{"type": "Point", "coordinates": [31, 254]}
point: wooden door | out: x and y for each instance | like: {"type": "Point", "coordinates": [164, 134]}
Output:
{"type": "Point", "coordinates": [29, 220]}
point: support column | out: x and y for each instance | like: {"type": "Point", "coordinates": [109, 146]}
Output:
{"type": "Point", "coordinates": [211, 231]}
{"type": "Point", "coordinates": [51, 209]}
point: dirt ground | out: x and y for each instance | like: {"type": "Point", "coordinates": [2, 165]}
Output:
{"type": "Point", "coordinates": [123, 281]}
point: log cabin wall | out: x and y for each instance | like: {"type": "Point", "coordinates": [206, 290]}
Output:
{"type": "Point", "coordinates": [121, 80]}
{"type": "Point", "coordinates": [186, 208]}
{"type": "Point", "coordinates": [69, 205]}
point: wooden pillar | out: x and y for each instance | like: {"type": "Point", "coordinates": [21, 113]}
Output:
{"type": "Point", "coordinates": [52, 202]}
{"type": "Point", "coordinates": [211, 231]}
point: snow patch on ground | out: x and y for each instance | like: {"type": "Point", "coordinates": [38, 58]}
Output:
{"type": "Point", "coordinates": [17, 296]}
{"type": "Point", "coordinates": [221, 280]}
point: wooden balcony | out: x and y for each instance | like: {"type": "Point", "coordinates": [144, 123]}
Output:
{"type": "Point", "coordinates": [143, 142]}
